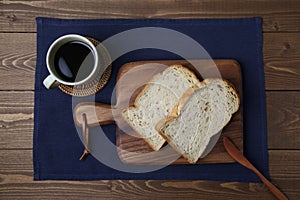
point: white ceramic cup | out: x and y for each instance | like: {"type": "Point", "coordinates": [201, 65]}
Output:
{"type": "Point", "coordinates": [100, 55]}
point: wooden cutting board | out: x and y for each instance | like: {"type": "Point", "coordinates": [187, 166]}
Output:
{"type": "Point", "coordinates": [131, 79]}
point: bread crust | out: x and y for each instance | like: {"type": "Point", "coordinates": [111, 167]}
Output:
{"type": "Point", "coordinates": [208, 80]}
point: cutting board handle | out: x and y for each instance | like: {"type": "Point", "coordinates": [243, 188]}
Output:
{"type": "Point", "coordinates": [96, 113]}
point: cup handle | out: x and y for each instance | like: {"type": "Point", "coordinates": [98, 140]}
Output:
{"type": "Point", "coordinates": [50, 82]}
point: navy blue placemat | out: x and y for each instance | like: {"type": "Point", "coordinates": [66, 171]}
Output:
{"type": "Point", "coordinates": [56, 144]}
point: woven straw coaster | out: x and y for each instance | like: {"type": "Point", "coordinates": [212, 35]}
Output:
{"type": "Point", "coordinates": [89, 88]}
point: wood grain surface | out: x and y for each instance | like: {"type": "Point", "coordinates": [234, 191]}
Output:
{"type": "Point", "coordinates": [16, 180]}
{"type": "Point", "coordinates": [281, 47]}
{"type": "Point", "coordinates": [279, 16]}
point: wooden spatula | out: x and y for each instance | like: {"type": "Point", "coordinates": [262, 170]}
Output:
{"type": "Point", "coordinates": [237, 155]}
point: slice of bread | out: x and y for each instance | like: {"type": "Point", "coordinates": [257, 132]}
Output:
{"type": "Point", "coordinates": [157, 100]}
{"type": "Point", "coordinates": [198, 116]}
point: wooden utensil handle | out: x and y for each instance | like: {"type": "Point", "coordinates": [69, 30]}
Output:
{"type": "Point", "coordinates": [240, 158]}
{"type": "Point", "coordinates": [271, 186]}
{"type": "Point", "coordinates": [96, 113]}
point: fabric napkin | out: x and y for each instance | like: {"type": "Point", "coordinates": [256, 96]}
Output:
{"type": "Point", "coordinates": [57, 145]}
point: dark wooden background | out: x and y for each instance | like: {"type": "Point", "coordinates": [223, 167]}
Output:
{"type": "Point", "coordinates": [281, 47]}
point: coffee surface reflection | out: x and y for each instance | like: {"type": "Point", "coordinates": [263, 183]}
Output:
{"type": "Point", "coordinates": [74, 61]}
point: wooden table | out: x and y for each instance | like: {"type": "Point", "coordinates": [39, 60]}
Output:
{"type": "Point", "coordinates": [281, 47]}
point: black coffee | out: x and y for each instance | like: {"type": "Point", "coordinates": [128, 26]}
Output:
{"type": "Point", "coordinates": [74, 61]}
